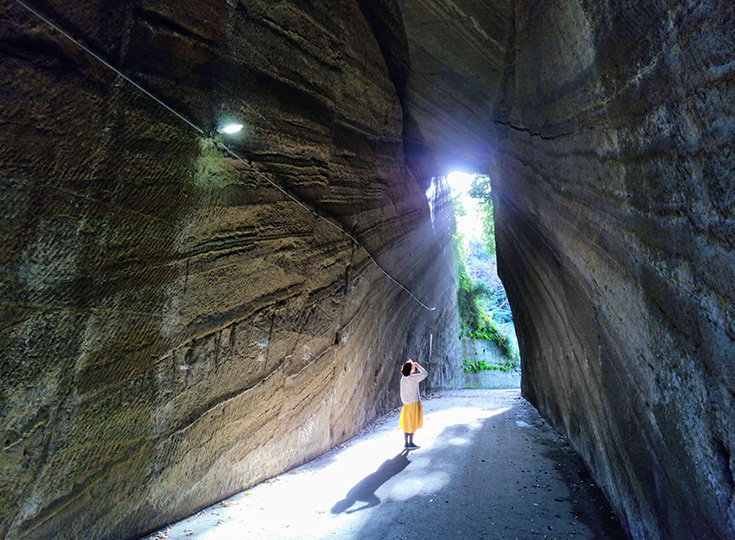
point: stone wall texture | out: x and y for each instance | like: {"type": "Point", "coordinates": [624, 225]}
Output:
{"type": "Point", "coordinates": [474, 350]}
{"type": "Point", "coordinates": [615, 217]}
{"type": "Point", "coordinates": [172, 328]}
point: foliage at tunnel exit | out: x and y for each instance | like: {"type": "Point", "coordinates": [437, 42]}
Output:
{"type": "Point", "coordinates": [481, 191]}
{"type": "Point", "coordinates": [481, 365]}
{"type": "Point", "coordinates": [477, 301]}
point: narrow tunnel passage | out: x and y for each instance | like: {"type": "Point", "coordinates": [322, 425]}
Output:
{"type": "Point", "coordinates": [488, 338]}
{"type": "Point", "coordinates": [489, 468]}
{"type": "Point", "coordinates": [177, 324]}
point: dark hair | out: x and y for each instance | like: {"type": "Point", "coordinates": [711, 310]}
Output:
{"type": "Point", "coordinates": [406, 369]}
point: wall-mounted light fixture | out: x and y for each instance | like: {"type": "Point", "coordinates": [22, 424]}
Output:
{"type": "Point", "coordinates": [229, 128]}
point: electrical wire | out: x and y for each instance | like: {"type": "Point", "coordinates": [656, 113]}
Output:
{"type": "Point", "coordinates": [225, 147]}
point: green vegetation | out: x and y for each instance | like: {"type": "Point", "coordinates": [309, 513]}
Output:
{"type": "Point", "coordinates": [481, 299]}
{"type": "Point", "coordinates": [480, 365]}
{"type": "Point", "coordinates": [490, 332]}
{"type": "Point", "coordinates": [482, 191]}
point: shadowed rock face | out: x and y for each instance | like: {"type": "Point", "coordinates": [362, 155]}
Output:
{"type": "Point", "coordinates": [615, 216]}
{"type": "Point", "coordinates": [174, 329]}
{"type": "Point", "coordinates": [457, 58]}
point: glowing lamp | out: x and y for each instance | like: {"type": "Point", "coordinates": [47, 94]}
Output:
{"type": "Point", "coordinates": [229, 129]}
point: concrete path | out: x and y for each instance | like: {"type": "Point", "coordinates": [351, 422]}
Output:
{"type": "Point", "coordinates": [489, 467]}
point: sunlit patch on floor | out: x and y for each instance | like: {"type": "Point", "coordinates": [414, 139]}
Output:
{"type": "Point", "coordinates": [371, 483]}
{"type": "Point", "coordinates": [458, 441]}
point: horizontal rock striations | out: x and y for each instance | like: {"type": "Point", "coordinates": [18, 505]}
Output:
{"type": "Point", "coordinates": [458, 53]}
{"type": "Point", "coordinates": [174, 328]}
{"type": "Point", "coordinates": [615, 219]}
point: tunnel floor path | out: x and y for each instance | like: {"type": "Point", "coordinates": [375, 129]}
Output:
{"type": "Point", "coordinates": [489, 467]}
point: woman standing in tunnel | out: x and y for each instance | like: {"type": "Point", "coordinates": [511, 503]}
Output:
{"type": "Point", "coordinates": [412, 413]}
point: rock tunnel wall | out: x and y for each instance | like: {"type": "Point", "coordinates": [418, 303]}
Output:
{"type": "Point", "coordinates": [615, 215]}
{"type": "Point", "coordinates": [170, 321]}
{"type": "Point", "coordinates": [173, 328]}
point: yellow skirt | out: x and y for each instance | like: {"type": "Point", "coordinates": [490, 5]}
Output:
{"type": "Point", "coordinates": [412, 417]}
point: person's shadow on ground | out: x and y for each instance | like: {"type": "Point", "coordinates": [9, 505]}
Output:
{"type": "Point", "coordinates": [364, 490]}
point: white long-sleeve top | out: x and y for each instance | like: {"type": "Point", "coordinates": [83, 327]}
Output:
{"type": "Point", "coordinates": [410, 385]}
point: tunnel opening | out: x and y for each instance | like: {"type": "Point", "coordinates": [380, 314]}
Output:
{"type": "Point", "coordinates": [487, 334]}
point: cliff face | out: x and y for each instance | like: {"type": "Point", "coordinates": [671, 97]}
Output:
{"type": "Point", "coordinates": [174, 329]}
{"type": "Point", "coordinates": [615, 216]}
{"type": "Point", "coordinates": [458, 53]}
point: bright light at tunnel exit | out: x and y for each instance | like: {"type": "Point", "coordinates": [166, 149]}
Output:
{"type": "Point", "coordinates": [470, 224]}
{"type": "Point", "coordinates": [459, 182]}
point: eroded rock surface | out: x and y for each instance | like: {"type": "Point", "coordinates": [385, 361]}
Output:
{"type": "Point", "coordinates": [615, 216]}
{"type": "Point", "coordinates": [174, 329]}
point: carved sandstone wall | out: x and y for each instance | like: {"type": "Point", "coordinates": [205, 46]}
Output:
{"type": "Point", "coordinates": [615, 216]}
{"type": "Point", "coordinates": [171, 324]}
{"type": "Point", "coordinates": [172, 328]}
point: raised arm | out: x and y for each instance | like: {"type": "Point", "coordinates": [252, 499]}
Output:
{"type": "Point", "coordinates": [421, 372]}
